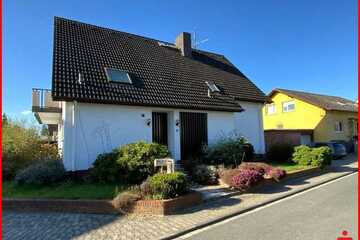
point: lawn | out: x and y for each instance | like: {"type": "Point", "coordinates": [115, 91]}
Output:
{"type": "Point", "coordinates": [64, 190]}
{"type": "Point", "coordinates": [289, 167]}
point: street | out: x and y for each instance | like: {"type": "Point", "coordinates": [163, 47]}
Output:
{"type": "Point", "coordinates": [320, 213]}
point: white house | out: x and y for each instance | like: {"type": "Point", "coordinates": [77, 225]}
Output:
{"type": "Point", "coordinates": [111, 88]}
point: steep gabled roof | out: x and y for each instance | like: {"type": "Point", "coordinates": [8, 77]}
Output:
{"type": "Point", "coordinates": [161, 76]}
{"type": "Point", "coordinates": [330, 103]}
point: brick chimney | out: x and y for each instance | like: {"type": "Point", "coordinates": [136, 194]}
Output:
{"type": "Point", "coordinates": [183, 42]}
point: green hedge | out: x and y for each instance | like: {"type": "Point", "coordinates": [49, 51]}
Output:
{"type": "Point", "coordinates": [164, 186]}
{"type": "Point", "coordinates": [131, 163]}
{"type": "Point", "coordinates": [317, 157]}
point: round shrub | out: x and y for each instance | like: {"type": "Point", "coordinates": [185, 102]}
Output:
{"type": "Point", "coordinates": [171, 185]}
{"type": "Point", "coordinates": [105, 168]}
{"type": "Point", "coordinates": [321, 157]}
{"type": "Point", "coordinates": [137, 159]}
{"type": "Point", "coordinates": [246, 178]}
{"type": "Point", "coordinates": [204, 174]}
{"type": "Point", "coordinates": [41, 173]}
{"type": "Point", "coordinates": [302, 155]}
{"type": "Point", "coordinates": [280, 153]}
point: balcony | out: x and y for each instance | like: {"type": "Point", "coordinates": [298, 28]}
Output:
{"type": "Point", "coordinates": [45, 109]}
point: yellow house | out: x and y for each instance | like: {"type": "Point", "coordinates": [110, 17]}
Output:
{"type": "Point", "coordinates": [301, 118]}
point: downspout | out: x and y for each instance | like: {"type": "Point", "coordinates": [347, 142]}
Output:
{"type": "Point", "coordinates": [74, 136]}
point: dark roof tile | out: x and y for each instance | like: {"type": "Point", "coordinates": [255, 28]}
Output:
{"type": "Point", "coordinates": [161, 75]}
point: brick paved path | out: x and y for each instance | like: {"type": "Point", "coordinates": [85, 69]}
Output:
{"type": "Point", "coordinates": [91, 226]}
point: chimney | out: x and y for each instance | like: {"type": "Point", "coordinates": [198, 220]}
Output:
{"type": "Point", "coordinates": [183, 42]}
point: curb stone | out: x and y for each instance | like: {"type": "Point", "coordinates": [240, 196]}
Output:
{"type": "Point", "coordinates": [233, 214]}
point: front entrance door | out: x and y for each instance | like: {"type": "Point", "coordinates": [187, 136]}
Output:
{"type": "Point", "coordinates": [159, 128]}
{"type": "Point", "coordinates": [193, 134]}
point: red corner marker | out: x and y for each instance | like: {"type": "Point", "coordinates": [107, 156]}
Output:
{"type": "Point", "coordinates": [344, 236]}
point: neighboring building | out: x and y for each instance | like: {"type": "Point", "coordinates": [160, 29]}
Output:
{"type": "Point", "coordinates": [301, 118]}
{"type": "Point", "coordinates": [111, 88]}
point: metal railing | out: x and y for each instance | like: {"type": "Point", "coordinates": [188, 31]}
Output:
{"type": "Point", "coordinates": [42, 100]}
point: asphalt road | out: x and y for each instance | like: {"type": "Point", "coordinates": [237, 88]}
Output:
{"type": "Point", "coordinates": [321, 213]}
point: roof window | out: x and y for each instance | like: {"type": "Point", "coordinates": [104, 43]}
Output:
{"type": "Point", "coordinates": [212, 87]}
{"type": "Point", "coordinates": [117, 75]}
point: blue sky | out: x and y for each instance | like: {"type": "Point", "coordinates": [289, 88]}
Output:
{"type": "Point", "coordinates": [304, 45]}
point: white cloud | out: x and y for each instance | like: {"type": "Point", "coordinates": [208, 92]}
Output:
{"type": "Point", "coordinates": [26, 112]}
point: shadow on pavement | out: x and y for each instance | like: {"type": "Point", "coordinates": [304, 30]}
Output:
{"type": "Point", "coordinates": [212, 205]}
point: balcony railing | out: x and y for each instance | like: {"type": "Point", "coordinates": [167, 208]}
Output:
{"type": "Point", "coordinates": [42, 101]}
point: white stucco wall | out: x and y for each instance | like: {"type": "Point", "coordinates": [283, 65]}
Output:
{"type": "Point", "coordinates": [99, 128]}
{"type": "Point", "coordinates": [220, 124]}
{"type": "Point", "coordinates": [249, 123]}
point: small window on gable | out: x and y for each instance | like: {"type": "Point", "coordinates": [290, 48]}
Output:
{"type": "Point", "coordinates": [270, 109]}
{"type": "Point", "coordinates": [289, 106]}
{"type": "Point", "coordinates": [338, 126]}
{"type": "Point", "coordinates": [117, 75]}
{"type": "Point", "coordinates": [212, 87]}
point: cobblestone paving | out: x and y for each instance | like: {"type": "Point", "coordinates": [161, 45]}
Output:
{"type": "Point", "coordinates": [92, 226]}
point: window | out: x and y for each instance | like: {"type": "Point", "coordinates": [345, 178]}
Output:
{"type": "Point", "coordinates": [116, 75]}
{"type": "Point", "coordinates": [270, 109]}
{"type": "Point", "coordinates": [338, 126]}
{"type": "Point", "coordinates": [289, 106]}
{"type": "Point", "coordinates": [212, 87]}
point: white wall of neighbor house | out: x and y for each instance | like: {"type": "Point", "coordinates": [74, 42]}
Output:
{"type": "Point", "coordinates": [249, 123]}
{"type": "Point", "coordinates": [99, 128]}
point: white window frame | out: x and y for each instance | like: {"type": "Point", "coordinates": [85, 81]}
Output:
{"type": "Point", "coordinates": [272, 105]}
{"type": "Point", "coordinates": [339, 127]}
{"type": "Point", "coordinates": [286, 104]}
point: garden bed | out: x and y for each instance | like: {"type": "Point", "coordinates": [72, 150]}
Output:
{"type": "Point", "coordinates": [144, 207]}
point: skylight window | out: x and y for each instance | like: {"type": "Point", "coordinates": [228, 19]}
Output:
{"type": "Point", "coordinates": [116, 75]}
{"type": "Point", "coordinates": [212, 87]}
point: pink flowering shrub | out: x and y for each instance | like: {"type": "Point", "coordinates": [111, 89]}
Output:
{"type": "Point", "coordinates": [250, 173]}
{"type": "Point", "coordinates": [258, 166]}
{"type": "Point", "coordinates": [246, 178]}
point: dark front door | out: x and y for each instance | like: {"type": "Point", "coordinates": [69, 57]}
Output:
{"type": "Point", "coordinates": [159, 128]}
{"type": "Point", "coordinates": [193, 134]}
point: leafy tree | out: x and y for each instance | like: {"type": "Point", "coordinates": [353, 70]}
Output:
{"type": "Point", "coordinates": [21, 146]}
